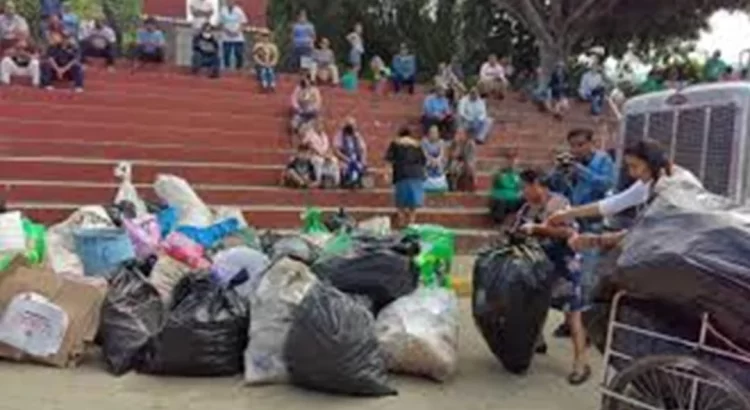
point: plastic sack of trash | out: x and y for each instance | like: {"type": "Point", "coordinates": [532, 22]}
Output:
{"type": "Point", "coordinates": [132, 313]}
{"type": "Point", "coordinates": [103, 250]}
{"type": "Point", "coordinates": [222, 213]}
{"type": "Point", "coordinates": [312, 222]}
{"type": "Point", "coordinates": [228, 264]}
{"type": "Point", "coordinates": [126, 192]}
{"type": "Point", "coordinates": [36, 245]}
{"type": "Point", "coordinates": [177, 193]}
{"type": "Point", "coordinates": [295, 247]}
{"type": "Point", "coordinates": [512, 292]}
{"type": "Point", "coordinates": [707, 271]}
{"type": "Point", "coordinates": [379, 273]}
{"type": "Point", "coordinates": [279, 292]}
{"type": "Point", "coordinates": [185, 250]}
{"type": "Point", "coordinates": [61, 246]}
{"type": "Point", "coordinates": [419, 333]}
{"type": "Point", "coordinates": [145, 234]}
{"type": "Point", "coordinates": [332, 346]}
{"type": "Point", "coordinates": [166, 273]}
{"type": "Point", "coordinates": [210, 235]}
{"type": "Point", "coordinates": [204, 335]}
{"type": "Point", "coordinates": [12, 235]}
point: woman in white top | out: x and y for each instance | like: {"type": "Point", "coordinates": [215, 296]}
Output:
{"type": "Point", "coordinates": [648, 164]}
{"type": "Point", "coordinates": [492, 77]}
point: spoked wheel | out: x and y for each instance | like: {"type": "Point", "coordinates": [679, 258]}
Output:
{"type": "Point", "coordinates": [674, 383]}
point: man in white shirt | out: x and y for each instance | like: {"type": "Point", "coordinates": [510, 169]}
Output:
{"type": "Point", "coordinates": [592, 88]}
{"type": "Point", "coordinates": [233, 21]}
{"type": "Point", "coordinates": [492, 78]}
{"type": "Point", "coordinates": [13, 27]}
{"type": "Point", "coordinates": [202, 12]}
{"type": "Point", "coordinates": [98, 41]}
{"type": "Point", "coordinates": [472, 112]}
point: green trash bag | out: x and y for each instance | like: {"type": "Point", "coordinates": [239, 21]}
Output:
{"type": "Point", "coordinates": [338, 245]}
{"type": "Point", "coordinates": [36, 245]}
{"type": "Point", "coordinates": [438, 249]}
{"type": "Point", "coordinates": [312, 222]}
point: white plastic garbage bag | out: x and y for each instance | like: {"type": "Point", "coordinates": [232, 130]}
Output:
{"type": "Point", "coordinates": [12, 236]}
{"type": "Point", "coordinates": [279, 292]}
{"type": "Point", "coordinates": [33, 325]}
{"type": "Point", "coordinates": [419, 333]}
{"type": "Point", "coordinates": [230, 262]}
{"type": "Point", "coordinates": [126, 191]}
{"type": "Point", "coordinates": [177, 193]}
{"type": "Point", "coordinates": [61, 244]}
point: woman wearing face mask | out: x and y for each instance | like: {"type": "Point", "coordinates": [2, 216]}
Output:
{"type": "Point", "coordinates": [648, 165]}
{"type": "Point", "coordinates": [206, 52]}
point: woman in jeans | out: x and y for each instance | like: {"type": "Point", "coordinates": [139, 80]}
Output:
{"type": "Point", "coordinates": [351, 150]}
{"type": "Point", "coordinates": [435, 152]}
{"type": "Point", "coordinates": [408, 169]}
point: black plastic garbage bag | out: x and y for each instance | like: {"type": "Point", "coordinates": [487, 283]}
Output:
{"type": "Point", "coordinates": [131, 314]}
{"type": "Point", "coordinates": [704, 271]}
{"type": "Point", "coordinates": [332, 346]}
{"type": "Point", "coordinates": [512, 291]}
{"type": "Point", "coordinates": [381, 274]}
{"type": "Point", "coordinates": [205, 333]}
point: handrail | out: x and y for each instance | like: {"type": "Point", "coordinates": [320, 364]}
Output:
{"type": "Point", "coordinates": [185, 22]}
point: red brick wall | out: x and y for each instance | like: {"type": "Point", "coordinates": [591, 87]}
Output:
{"type": "Point", "coordinates": [255, 9]}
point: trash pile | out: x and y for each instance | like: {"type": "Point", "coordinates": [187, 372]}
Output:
{"type": "Point", "coordinates": [177, 288]}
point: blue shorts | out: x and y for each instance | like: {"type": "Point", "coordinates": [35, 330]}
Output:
{"type": "Point", "coordinates": [409, 193]}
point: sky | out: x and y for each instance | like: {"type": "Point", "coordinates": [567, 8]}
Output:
{"type": "Point", "coordinates": [730, 33]}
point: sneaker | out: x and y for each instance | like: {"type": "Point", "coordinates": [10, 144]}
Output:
{"type": "Point", "coordinates": [49, 88]}
{"type": "Point", "coordinates": [111, 69]}
{"type": "Point", "coordinates": [78, 90]}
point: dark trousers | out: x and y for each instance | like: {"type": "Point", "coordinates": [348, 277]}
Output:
{"type": "Point", "coordinates": [90, 51]}
{"type": "Point", "coordinates": [149, 56]}
{"type": "Point", "coordinates": [400, 81]}
{"type": "Point", "coordinates": [74, 74]}
{"type": "Point", "coordinates": [447, 126]}
{"type": "Point", "coordinates": [234, 49]}
{"type": "Point", "coordinates": [500, 209]}
{"type": "Point", "coordinates": [208, 61]}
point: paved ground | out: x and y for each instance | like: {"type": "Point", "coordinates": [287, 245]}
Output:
{"type": "Point", "coordinates": [480, 384]}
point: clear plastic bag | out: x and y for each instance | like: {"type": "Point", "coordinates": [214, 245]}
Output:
{"type": "Point", "coordinates": [419, 333]}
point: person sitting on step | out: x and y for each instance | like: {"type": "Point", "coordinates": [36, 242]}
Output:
{"type": "Point", "coordinates": [13, 27]}
{"type": "Point", "coordinates": [351, 150]}
{"type": "Point", "coordinates": [306, 103]}
{"type": "Point", "coordinates": [300, 172]}
{"type": "Point", "coordinates": [323, 159]}
{"type": "Point", "coordinates": [437, 110]}
{"type": "Point", "coordinates": [63, 63]}
{"type": "Point", "coordinates": [21, 60]}
{"type": "Point", "coordinates": [324, 68]}
{"type": "Point", "coordinates": [99, 41]}
{"type": "Point", "coordinates": [206, 52]}
{"type": "Point", "coordinates": [436, 155]}
{"type": "Point", "coordinates": [473, 118]}
{"type": "Point", "coordinates": [462, 163]}
{"type": "Point", "coordinates": [150, 44]}
{"type": "Point", "coordinates": [266, 57]}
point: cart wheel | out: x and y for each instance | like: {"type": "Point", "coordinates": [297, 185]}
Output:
{"type": "Point", "coordinates": [667, 382]}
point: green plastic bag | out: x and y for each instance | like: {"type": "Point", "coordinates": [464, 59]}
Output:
{"type": "Point", "coordinates": [338, 245]}
{"type": "Point", "coordinates": [36, 245]}
{"type": "Point", "coordinates": [438, 249]}
{"type": "Point", "coordinates": [312, 222]}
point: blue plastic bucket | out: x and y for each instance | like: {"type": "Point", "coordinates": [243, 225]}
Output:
{"type": "Point", "coordinates": [103, 250]}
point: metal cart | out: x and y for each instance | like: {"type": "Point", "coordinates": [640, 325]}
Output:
{"type": "Point", "coordinates": [673, 382]}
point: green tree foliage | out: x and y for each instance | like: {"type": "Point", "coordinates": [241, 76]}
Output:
{"type": "Point", "coordinates": [123, 15]}
{"type": "Point", "coordinates": [430, 28]}
{"type": "Point", "coordinates": [564, 27]}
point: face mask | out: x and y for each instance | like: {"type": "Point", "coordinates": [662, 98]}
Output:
{"type": "Point", "coordinates": [206, 35]}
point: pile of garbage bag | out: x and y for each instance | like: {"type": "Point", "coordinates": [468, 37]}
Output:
{"type": "Point", "coordinates": [177, 288]}
{"type": "Point", "coordinates": [672, 279]}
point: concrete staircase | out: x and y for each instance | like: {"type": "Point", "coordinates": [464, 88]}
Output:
{"type": "Point", "coordinates": [58, 149]}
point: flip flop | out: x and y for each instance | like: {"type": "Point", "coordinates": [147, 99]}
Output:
{"type": "Point", "coordinates": [578, 378]}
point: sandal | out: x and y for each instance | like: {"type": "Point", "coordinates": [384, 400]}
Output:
{"type": "Point", "coordinates": [577, 378]}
